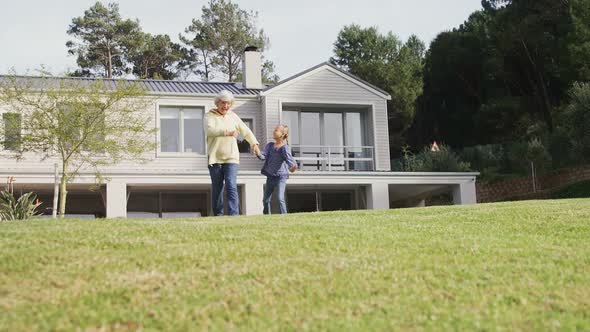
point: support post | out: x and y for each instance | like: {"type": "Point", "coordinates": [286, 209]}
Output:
{"type": "Point", "coordinates": [378, 196]}
{"type": "Point", "coordinates": [252, 196]}
{"type": "Point", "coordinates": [116, 200]}
{"type": "Point", "coordinates": [464, 193]}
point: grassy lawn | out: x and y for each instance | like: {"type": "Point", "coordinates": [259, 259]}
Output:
{"type": "Point", "coordinates": [508, 266]}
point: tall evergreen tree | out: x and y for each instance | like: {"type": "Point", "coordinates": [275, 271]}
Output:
{"type": "Point", "coordinates": [388, 63]}
{"type": "Point", "coordinates": [102, 41]}
{"type": "Point", "coordinates": [155, 57]}
{"type": "Point", "coordinates": [216, 41]}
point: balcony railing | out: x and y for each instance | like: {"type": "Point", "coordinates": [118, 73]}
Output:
{"type": "Point", "coordinates": [334, 158]}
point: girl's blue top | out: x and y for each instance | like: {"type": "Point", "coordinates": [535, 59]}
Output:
{"type": "Point", "coordinates": [277, 161]}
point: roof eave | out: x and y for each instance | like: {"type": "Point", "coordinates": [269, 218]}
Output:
{"type": "Point", "coordinates": [212, 95]}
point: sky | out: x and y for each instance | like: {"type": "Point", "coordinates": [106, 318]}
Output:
{"type": "Point", "coordinates": [302, 32]}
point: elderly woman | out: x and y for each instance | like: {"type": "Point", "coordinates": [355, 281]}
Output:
{"type": "Point", "coordinates": [223, 127]}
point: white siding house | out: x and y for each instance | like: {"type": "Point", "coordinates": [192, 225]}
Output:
{"type": "Point", "coordinates": [339, 136]}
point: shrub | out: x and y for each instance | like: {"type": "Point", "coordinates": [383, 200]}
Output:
{"type": "Point", "coordinates": [444, 160]}
{"type": "Point", "coordinates": [23, 208]}
{"type": "Point", "coordinates": [498, 162]}
{"type": "Point", "coordinates": [538, 154]}
{"type": "Point", "coordinates": [482, 157]}
{"type": "Point", "coordinates": [409, 162]}
{"type": "Point", "coordinates": [577, 190]}
{"type": "Point", "coordinates": [516, 160]}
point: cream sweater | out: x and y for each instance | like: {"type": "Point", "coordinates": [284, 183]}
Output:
{"type": "Point", "coordinates": [223, 149]}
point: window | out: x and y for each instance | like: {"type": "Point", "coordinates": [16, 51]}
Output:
{"type": "Point", "coordinates": [329, 138]}
{"type": "Point", "coordinates": [354, 131]}
{"type": "Point", "coordinates": [181, 129]}
{"type": "Point", "coordinates": [311, 131]}
{"type": "Point", "coordinates": [12, 130]}
{"type": "Point", "coordinates": [291, 119]}
{"type": "Point", "coordinates": [243, 145]}
{"type": "Point", "coordinates": [327, 127]}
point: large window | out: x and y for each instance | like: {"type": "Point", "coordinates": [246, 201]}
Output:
{"type": "Point", "coordinates": [12, 130]}
{"type": "Point", "coordinates": [291, 119]}
{"type": "Point", "coordinates": [181, 129]}
{"type": "Point", "coordinates": [243, 145]}
{"type": "Point", "coordinates": [329, 138]}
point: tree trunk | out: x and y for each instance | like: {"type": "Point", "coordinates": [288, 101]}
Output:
{"type": "Point", "coordinates": [546, 101]}
{"type": "Point", "coordinates": [230, 68]}
{"type": "Point", "coordinates": [110, 64]}
{"type": "Point", "coordinates": [539, 85]}
{"type": "Point", "coordinates": [62, 195]}
{"type": "Point", "coordinates": [63, 192]}
{"type": "Point", "coordinates": [206, 64]}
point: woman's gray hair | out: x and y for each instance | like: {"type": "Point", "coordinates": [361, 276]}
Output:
{"type": "Point", "coordinates": [224, 95]}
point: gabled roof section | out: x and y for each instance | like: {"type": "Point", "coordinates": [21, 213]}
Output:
{"type": "Point", "coordinates": [326, 66]}
{"type": "Point", "coordinates": [162, 87]}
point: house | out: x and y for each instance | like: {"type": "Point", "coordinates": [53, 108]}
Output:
{"type": "Point", "coordinates": [339, 136]}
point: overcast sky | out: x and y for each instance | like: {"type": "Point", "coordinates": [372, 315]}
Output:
{"type": "Point", "coordinates": [301, 32]}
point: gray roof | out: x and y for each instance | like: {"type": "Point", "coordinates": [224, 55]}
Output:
{"type": "Point", "coordinates": [173, 87]}
{"type": "Point", "coordinates": [155, 86]}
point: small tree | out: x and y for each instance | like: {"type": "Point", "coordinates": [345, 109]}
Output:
{"type": "Point", "coordinates": [83, 125]}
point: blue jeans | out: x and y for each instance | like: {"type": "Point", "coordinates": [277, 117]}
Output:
{"type": "Point", "coordinates": [271, 184]}
{"type": "Point", "coordinates": [227, 173]}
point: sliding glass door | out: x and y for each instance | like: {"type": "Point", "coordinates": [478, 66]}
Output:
{"type": "Point", "coordinates": [355, 138]}
{"type": "Point", "coordinates": [333, 130]}
{"type": "Point", "coordinates": [311, 140]}
{"type": "Point", "coordinates": [328, 138]}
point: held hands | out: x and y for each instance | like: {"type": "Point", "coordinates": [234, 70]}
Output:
{"type": "Point", "coordinates": [256, 149]}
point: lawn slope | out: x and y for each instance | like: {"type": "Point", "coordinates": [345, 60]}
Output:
{"type": "Point", "coordinates": [522, 265]}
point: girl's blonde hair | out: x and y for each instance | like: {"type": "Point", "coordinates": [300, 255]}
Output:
{"type": "Point", "coordinates": [285, 131]}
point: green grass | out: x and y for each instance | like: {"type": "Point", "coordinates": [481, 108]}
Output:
{"type": "Point", "coordinates": [507, 266]}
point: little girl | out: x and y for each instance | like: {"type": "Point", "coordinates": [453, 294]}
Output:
{"type": "Point", "coordinates": [278, 162]}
